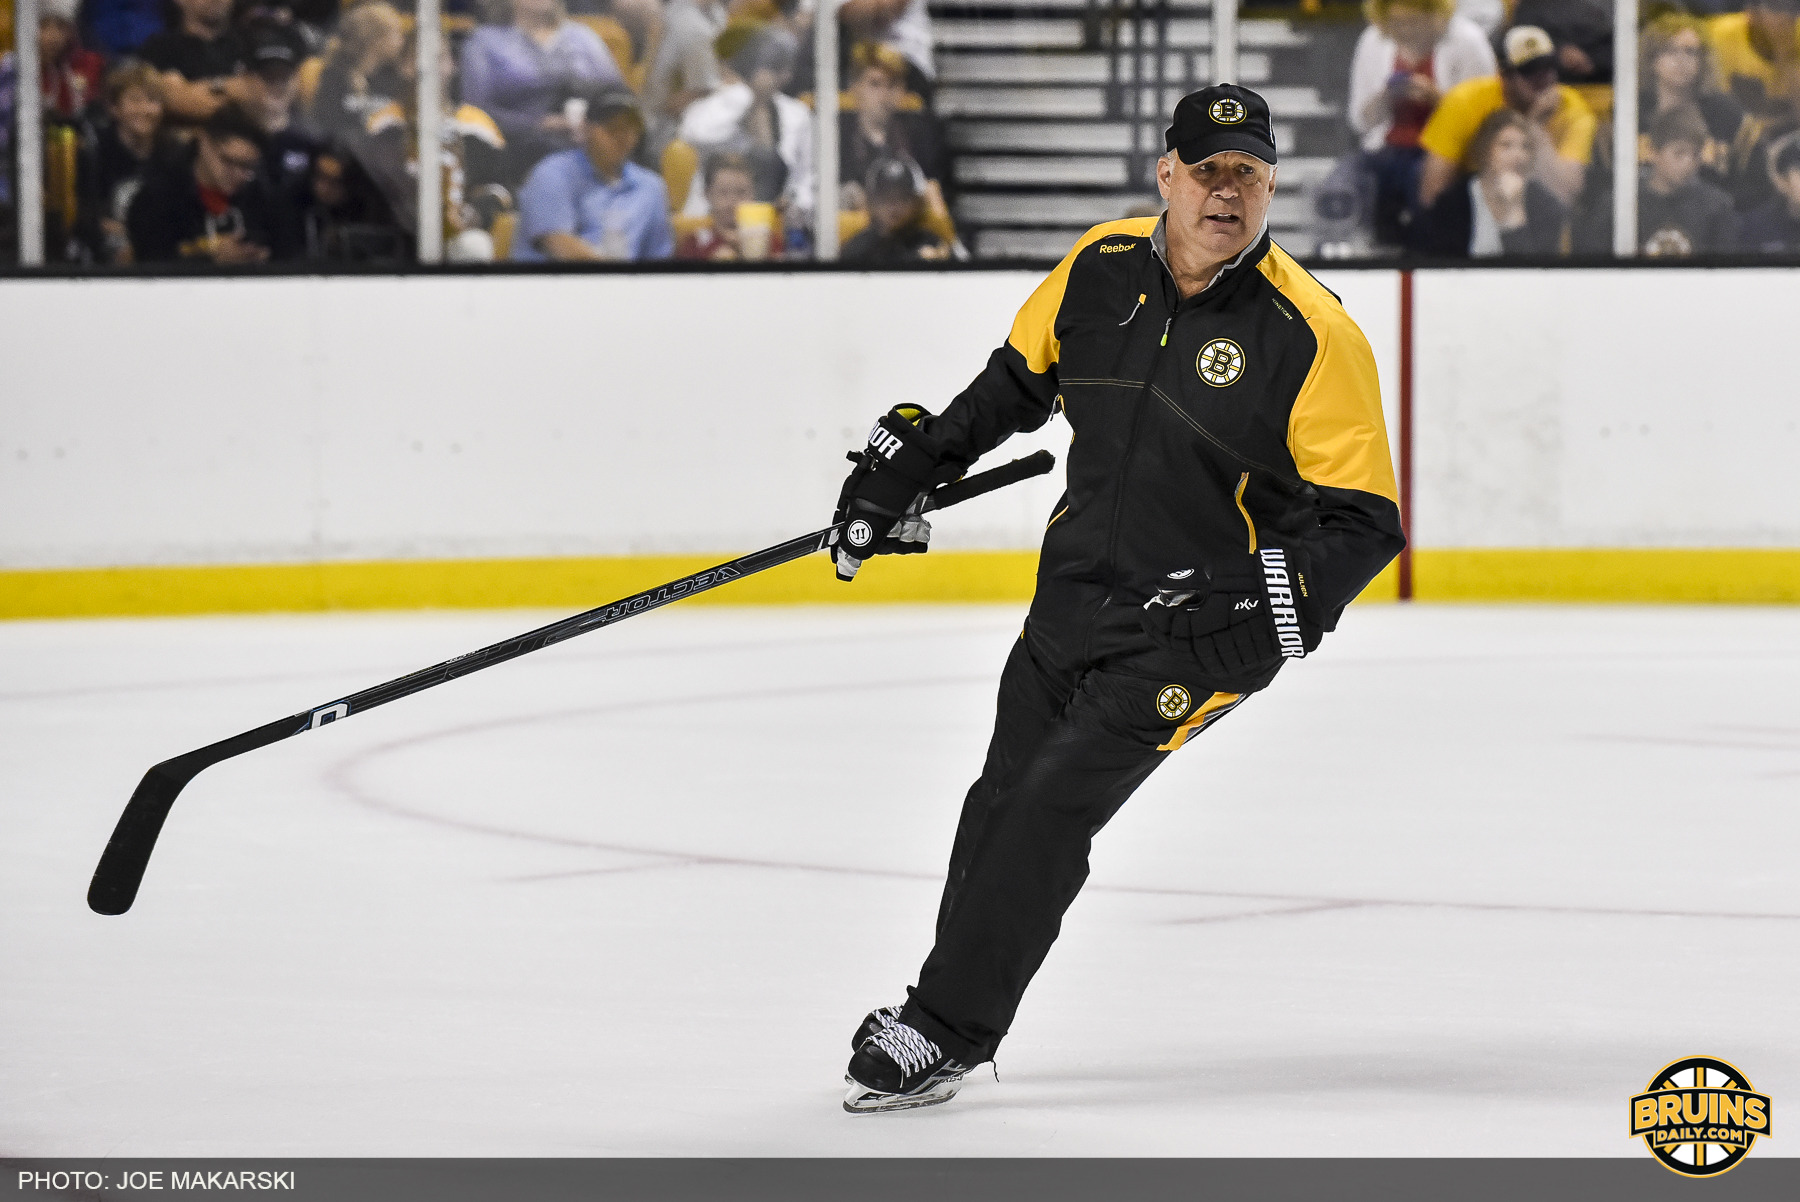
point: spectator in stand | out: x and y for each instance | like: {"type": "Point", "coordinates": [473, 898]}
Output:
{"type": "Point", "coordinates": [201, 61]}
{"type": "Point", "coordinates": [343, 217]}
{"type": "Point", "coordinates": [1679, 213]}
{"type": "Point", "coordinates": [472, 161]}
{"type": "Point", "coordinates": [1675, 73]}
{"type": "Point", "coordinates": [112, 165]}
{"type": "Point", "coordinates": [878, 129]}
{"type": "Point", "coordinates": [210, 204]}
{"type": "Point", "coordinates": [68, 74]}
{"type": "Point", "coordinates": [900, 25]}
{"type": "Point", "coordinates": [896, 233]}
{"type": "Point", "coordinates": [592, 202]}
{"type": "Point", "coordinates": [1411, 53]}
{"type": "Point", "coordinates": [274, 51]}
{"type": "Point", "coordinates": [1498, 209]}
{"type": "Point", "coordinates": [684, 69]}
{"type": "Point", "coordinates": [523, 73]}
{"type": "Point", "coordinates": [1561, 123]}
{"type": "Point", "coordinates": [1758, 55]}
{"type": "Point", "coordinates": [1774, 229]}
{"type": "Point", "coordinates": [70, 79]}
{"type": "Point", "coordinates": [754, 117]}
{"type": "Point", "coordinates": [1583, 33]}
{"type": "Point", "coordinates": [730, 182]}
{"type": "Point", "coordinates": [361, 74]}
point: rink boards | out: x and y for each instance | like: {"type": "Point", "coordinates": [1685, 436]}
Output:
{"type": "Point", "coordinates": [303, 443]}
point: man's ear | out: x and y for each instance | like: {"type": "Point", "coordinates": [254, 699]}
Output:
{"type": "Point", "coordinates": [1165, 171]}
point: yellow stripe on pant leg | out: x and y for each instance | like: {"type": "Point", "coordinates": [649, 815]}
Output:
{"type": "Point", "coordinates": [1212, 709]}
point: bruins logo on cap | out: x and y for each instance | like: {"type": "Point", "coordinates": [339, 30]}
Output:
{"type": "Point", "coordinates": [1228, 111]}
{"type": "Point", "coordinates": [1174, 702]}
{"type": "Point", "coordinates": [1220, 362]}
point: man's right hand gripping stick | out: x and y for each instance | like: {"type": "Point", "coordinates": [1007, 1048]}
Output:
{"type": "Point", "coordinates": [881, 509]}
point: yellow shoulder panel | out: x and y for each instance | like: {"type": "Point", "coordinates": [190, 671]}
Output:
{"type": "Point", "coordinates": [1336, 432]}
{"type": "Point", "coordinates": [1034, 330]}
{"type": "Point", "coordinates": [385, 117]}
{"type": "Point", "coordinates": [480, 125]}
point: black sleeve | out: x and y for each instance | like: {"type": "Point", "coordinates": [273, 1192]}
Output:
{"type": "Point", "coordinates": [1358, 534]}
{"type": "Point", "coordinates": [152, 226]}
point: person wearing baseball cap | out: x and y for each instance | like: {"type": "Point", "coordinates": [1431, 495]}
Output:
{"type": "Point", "coordinates": [591, 202]}
{"type": "Point", "coordinates": [1229, 490]}
{"type": "Point", "coordinates": [1562, 123]}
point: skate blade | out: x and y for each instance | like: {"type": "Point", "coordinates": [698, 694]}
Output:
{"type": "Point", "coordinates": [860, 1099]}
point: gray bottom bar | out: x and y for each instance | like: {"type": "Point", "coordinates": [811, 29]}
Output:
{"type": "Point", "coordinates": [1640, 1179]}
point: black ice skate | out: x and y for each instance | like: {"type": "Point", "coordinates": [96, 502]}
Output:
{"type": "Point", "coordinates": [874, 1023]}
{"type": "Point", "coordinates": [897, 1069]}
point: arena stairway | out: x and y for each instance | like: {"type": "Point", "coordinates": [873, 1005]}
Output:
{"type": "Point", "coordinates": [1055, 110]}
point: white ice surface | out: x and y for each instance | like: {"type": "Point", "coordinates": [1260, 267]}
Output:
{"type": "Point", "coordinates": [1456, 886]}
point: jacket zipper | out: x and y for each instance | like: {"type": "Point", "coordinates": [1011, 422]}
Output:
{"type": "Point", "coordinates": [1137, 416]}
{"type": "Point", "coordinates": [1243, 483]}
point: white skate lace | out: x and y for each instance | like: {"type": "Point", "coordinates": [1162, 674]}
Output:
{"type": "Point", "coordinates": [910, 1050]}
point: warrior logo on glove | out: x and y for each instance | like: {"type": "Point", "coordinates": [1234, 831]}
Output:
{"type": "Point", "coordinates": [1282, 606]}
{"type": "Point", "coordinates": [881, 506]}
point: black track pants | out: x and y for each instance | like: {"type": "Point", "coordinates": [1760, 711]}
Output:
{"type": "Point", "coordinates": [1070, 745]}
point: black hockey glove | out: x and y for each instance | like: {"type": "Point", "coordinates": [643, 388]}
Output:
{"type": "Point", "coordinates": [879, 508]}
{"type": "Point", "coordinates": [1237, 618]}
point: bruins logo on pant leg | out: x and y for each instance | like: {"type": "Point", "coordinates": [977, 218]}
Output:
{"type": "Point", "coordinates": [1220, 362]}
{"type": "Point", "coordinates": [1174, 702]}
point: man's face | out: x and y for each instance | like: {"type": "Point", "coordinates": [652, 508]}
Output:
{"type": "Point", "coordinates": [138, 111]}
{"type": "Point", "coordinates": [273, 88]}
{"type": "Point", "coordinates": [227, 164]}
{"type": "Point", "coordinates": [730, 188]}
{"type": "Point", "coordinates": [877, 94]}
{"type": "Point", "coordinates": [1524, 89]}
{"type": "Point", "coordinates": [1218, 204]}
{"type": "Point", "coordinates": [1774, 19]}
{"type": "Point", "coordinates": [328, 185]}
{"type": "Point", "coordinates": [610, 142]}
{"type": "Point", "coordinates": [209, 13]}
{"type": "Point", "coordinates": [1788, 184]}
{"type": "Point", "coordinates": [1675, 163]}
{"type": "Point", "coordinates": [1415, 29]}
{"type": "Point", "coordinates": [1677, 66]}
{"type": "Point", "coordinates": [55, 36]}
{"type": "Point", "coordinates": [891, 211]}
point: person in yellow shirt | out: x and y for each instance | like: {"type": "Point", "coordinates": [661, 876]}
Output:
{"type": "Point", "coordinates": [1757, 53]}
{"type": "Point", "coordinates": [1562, 124]}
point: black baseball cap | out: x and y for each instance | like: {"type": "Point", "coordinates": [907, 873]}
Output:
{"type": "Point", "coordinates": [605, 99]}
{"type": "Point", "coordinates": [274, 47]}
{"type": "Point", "coordinates": [1222, 117]}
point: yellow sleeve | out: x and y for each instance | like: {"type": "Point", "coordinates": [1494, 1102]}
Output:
{"type": "Point", "coordinates": [1452, 126]}
{"type": "Point", "coordinates": [1575, 125]}
{"type": "Point", "coordinates": [1336, 432]}
{"type": "Point", "coordinates": [1034, 329]}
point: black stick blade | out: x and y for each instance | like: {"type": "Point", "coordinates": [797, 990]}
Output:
{"type": "Point", "coordinates": [127, 853]}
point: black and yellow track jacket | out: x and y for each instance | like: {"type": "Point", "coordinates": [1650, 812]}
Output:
{"type": "Point", "coordinates": [1246, 415]}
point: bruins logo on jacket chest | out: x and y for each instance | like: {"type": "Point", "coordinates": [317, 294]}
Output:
{"type": "Point", "coordinates": [1220, 362]}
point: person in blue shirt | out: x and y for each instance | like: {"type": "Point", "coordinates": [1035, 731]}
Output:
{"type": "Point", "coordinates": [591, 202]}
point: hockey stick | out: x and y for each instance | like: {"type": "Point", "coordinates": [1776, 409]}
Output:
{"type": "Point", "coordinates": [127, 853]}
